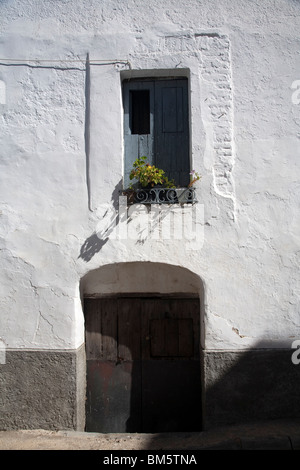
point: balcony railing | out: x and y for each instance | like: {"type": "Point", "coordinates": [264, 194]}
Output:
{"type": "Point", "coordinates": [161, 196]}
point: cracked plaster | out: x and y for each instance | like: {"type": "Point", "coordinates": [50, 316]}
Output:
{"type": "Point", "coordinates": [245, 143]}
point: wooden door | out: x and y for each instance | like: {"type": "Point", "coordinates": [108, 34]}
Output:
{"type": "Point", "coordinates": [143, 366]}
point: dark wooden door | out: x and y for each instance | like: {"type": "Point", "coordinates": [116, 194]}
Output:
{"type": "Point", "coordinates": [143, 366]}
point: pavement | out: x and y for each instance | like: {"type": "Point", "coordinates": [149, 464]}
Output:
{"type": "Point", "coordinates": [271, 435]}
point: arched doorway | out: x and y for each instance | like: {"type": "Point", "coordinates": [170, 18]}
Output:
{"type": "Point", "coordinates": [142, 348]}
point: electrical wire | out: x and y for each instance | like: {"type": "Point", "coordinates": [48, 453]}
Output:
{"type": "Point", "coordinates": [64, 61]}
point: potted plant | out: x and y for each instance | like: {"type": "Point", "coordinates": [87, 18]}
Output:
{"type": "Point", "coordinates": [153, 186]}
{"type": "Point", "coordinates": [148, 175]}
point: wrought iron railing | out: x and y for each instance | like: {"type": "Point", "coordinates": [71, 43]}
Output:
{"type": "Point", "coordinates": [161, 196]}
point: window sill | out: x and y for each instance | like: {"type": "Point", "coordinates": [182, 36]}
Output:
{"type": "Point", "coordinates": [161, 196]}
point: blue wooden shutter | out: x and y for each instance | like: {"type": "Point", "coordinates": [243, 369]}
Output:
{"type": "Point", "coordinates": [172, 129]}
{"type": "Point", "coordinates": [137, 144]}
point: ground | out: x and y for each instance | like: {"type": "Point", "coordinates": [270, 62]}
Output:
{"type": "Point", "coordinates": [274, 435]}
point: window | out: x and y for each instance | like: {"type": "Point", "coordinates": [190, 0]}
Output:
{"type": "Point", "coordinates": [140, 112]}
{"type": "Point", "coordinates": [156, 125]}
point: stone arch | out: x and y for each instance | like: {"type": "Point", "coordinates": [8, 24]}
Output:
{"type": "Point", "coordinates": [141, 277]}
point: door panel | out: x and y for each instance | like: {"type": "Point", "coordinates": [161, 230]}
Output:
{"type": "Point", "coordinates": [143, 369]}
{"type": "Point", "coordinates": [112, 387]}
{"type": "Point", "coordinates": [171, 397]}
{"type": "Point", "coordinates": [101, 329]}
{"type": "Point", "coordinates": [171, 337]}
{"type": "Point", "coordinates": [129, 329]}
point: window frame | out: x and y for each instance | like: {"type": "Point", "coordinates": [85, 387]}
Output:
{"type": "Point", "coordinates": [151, 140]}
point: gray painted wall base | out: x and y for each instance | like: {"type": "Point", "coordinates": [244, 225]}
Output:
{"type": "Point", "coordinates": [250, 386]}
{"type": "Point", "coordinates": [43, 390]}
{"type": "Point", "coordinates": [47, 389]}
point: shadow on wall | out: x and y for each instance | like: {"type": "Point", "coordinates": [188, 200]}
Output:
{"type": "Point", "coordinates": [95, 242]}
{"type": "Point", "coordinates": [238, 387]}
{"type": "Point", "coordinates": [253, 385]}
{"type": "Point", "coordinates": [137, 223]}
{"type": "Point", "coordinates": [91, 247]}
{"type": "Point", "coordinates": [259, 386]}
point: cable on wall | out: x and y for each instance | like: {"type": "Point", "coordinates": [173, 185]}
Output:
{"type": "Point", "coordinates": [55, 63]}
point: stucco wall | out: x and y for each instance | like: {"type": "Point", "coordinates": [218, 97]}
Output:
{"type": "Point", "coordinates": [62, 150]}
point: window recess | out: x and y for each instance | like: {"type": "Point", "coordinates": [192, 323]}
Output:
{"type": "Point", "coordinates": [156, 124]}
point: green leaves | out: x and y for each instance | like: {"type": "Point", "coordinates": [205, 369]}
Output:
{"type": "Point", "coordinates": [149, 175]}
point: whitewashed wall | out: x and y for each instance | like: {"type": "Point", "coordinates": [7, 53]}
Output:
{"type": "Point", "coordinates": [242, 59]}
